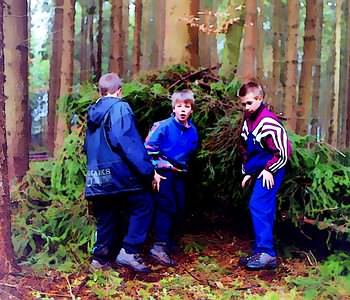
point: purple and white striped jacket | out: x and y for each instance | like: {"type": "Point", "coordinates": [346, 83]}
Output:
{"type": "Point", "coordinates": [264, 142]}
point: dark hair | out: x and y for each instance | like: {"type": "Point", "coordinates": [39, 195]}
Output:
{"type": "Point", "coordinates": [250, 87]}
{"type": "Point", "coordinates": [109, 83]}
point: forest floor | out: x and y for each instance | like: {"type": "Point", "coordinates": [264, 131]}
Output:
{"type": "Point", "coordinates": [207, 270]}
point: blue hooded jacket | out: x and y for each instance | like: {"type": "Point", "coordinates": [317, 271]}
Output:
{"type": "Point", "coordinates": [116, 157]}
{"type": "Point", "coordinates": [170, 144]}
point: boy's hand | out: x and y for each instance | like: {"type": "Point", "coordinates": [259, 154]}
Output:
{"type": "Point", "coordinates": [156, 181]}
{"type": "Point", "coordinates": [246, 180]}
{"type": "Point", "coordinates": [268, 180]}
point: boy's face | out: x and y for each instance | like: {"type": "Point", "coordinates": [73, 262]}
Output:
{"type": "Point", "coordinates": [183, 110]}
{"type": "Point", "coordinates": [251, 102]}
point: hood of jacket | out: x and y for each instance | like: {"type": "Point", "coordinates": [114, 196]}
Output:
{"type": "Point", "coordinates": [98, 110]}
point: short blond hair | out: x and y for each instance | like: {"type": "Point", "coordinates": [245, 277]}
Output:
{"type": "Point", "coordinates": [182, 95]}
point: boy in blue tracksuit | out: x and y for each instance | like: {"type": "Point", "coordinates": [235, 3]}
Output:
{"type": "Point", "coordinates": [118, 169]}
{"type": "Point", "coordinates": [265, 149]}
{"type": "Point", "coordinates": [171, 143]}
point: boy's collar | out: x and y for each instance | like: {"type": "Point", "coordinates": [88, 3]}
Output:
{"type": "Point", "coordinates": [255, 114]}
{"type": "Point", "coordinates": [188, 125]}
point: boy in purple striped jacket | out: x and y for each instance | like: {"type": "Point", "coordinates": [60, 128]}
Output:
{"type": "Point", "coordinates": [265, 149]}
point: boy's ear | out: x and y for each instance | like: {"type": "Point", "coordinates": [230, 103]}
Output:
{"type": "Point", "coordinates": [119, 92]}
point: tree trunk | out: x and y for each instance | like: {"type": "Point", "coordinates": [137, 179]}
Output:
{"type": "Point", "coordinates": [193, 33]}
{"type": "Point", "coordinates": [347, 89]}
{"type": "Point", "coordinates": [66, 68]}
{"type": "Point", "coordinates": [16, 87]}
{"type": "Point", "coordinates": [116, 60]}
{"type": "Point", "coordinates": [233, 39]}
{"type": "Point", "coordinates": [125, 39]}
{"type": "Point", "coordinates": [160, 33]}
{"type": "Point", "coordinates": [292, 63]}
{"type": "Point", "coordinates": [55, 74]}
{"type": "Point", "coordinates": [99, 40]}
{"type": "Point", "coordinates": [90, 27]}
{"type": "Point", "coordinates": [342, 113]}
{"type": "Point", "coordinates": [333, 127]}
{"type": "Point", "coordinates": [317, 73]}
{"type": "Point", "coordinates": [306, 82]}
{"type": "Point", "coordinates": [7, 261]}
{"type": "Point", "coordinates": [247, 70]}
{"type": "Point", "coordinates": [276, 55]}
{"type": "Point", "coordinates": [84, 61]}
{"type": "Point", "coordinates": [176, 29]}
{"type": "Point", "coordinates": [260, 42]}
{"type": "Point", "coordinates": [137, 38]}
{"type": "Point", "coordinates": [148, 32]}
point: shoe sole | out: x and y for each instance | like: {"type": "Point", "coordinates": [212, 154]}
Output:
{"type": "Point", "coordinates": [159, 262]}
{"type": "Point", "coordinates": [119, 264]}
{"type": "Point", "coordinates": [268, 267]}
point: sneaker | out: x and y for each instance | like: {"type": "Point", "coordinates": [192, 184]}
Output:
{"type": "Point", "coordinates": [243, 260]}
{"type": "Point", "coordinates": [159, 254]}
{"type": "Point", "coordinates": [96, 265]}
{"type": "Point", "coordinates": [131, 261]}
{"type": "Point", "coordinates": [261, 261]}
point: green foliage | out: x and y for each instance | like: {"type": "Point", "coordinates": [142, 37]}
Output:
{"type": "Point", "coordinates": [104, 284]}
{"type": "Point", "coordinates": [331, 280]}
{"type": "Point", "coordinates": [51, 224]}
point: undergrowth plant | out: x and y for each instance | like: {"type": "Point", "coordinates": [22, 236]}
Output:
{"type": "Point", "coordinates": [51, 223]}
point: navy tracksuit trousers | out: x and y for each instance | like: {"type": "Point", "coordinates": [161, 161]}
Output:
{"type": "Point", "coordinates": [107, 210]}
{"type": "Point", "coordinates": [262, 206]}
{"type": "Point", "coordinates": [169, 205]}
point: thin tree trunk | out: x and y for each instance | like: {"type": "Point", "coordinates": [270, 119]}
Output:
{"type": "Point", "coordinates": [137, 38]}
{"type": "Point", "coordinates": [16, 87]}
{"type": "Point", "coordinates": [125, 38]}
{"type": "Point", "coordinates": [55, 74]}
{"type": "Point", "coordinates": [248, 64]}
{"type": "Point", "coordinates": [306, 82]}
{"type": "Point", "coordinates": [160, 33]}
{"type": "Point", "coordinates": [7, 261]}
{"type": "Point", "coordinates": [276, 55]}
{"type": "Point", "coordinates": [84, 62]}
{"type": "Point", "coordinates": [148, 32]}
{"type": "Point", "coordinates": [342, 113]}
{"type": "Point", "coordinates": [292, 63]}
{"type": "Point", "coordinates": [193, 33]}
{"type": "Point", "coordinates": [260, 42]}
{"type": "Point", "coordinates": [333, 128]}
{"type": "Point", "coordinates": [66, 68]}
{"type": "Point", "coordinates": [90, 27]}
{"type": "Point", "coordinates": [99, 40]}
{"type": "Point", "coordinates": [317, 73]}
{"type": "Point", "coordinates": [233, 39]}
{"type": "Point", "coordinates": [116, 61]}
{"type": "Point", "coordinates": [347, 89]}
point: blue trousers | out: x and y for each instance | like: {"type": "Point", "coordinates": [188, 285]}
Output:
{"type": "Point", "coordinates": [262, 206]}
{"type": "Point", "coordinates": [169, 205]}
{"type": "Point", "coordinates": [107, 211]}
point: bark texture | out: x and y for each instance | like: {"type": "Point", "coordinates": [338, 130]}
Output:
{"type": "Point", "coordinates": [291, 63]}
{"type": "Point", "coordinates": [306, 78]}
{"type": "Point", "coordinates": [55, 74]}
{"type": "Point", "coordinates": [16, 87]}
{"type": "Point", "coordinates": [66, 68]}
{"type": "Point", "coordinates": [7, 261]}
{"type": "Point", "coordinates": [248, 66]}
{"type": "Point", "coordinates": [177, 42]}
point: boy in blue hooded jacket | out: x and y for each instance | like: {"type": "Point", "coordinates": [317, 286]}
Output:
{"type": "Point", "coordinates": [118, 169]}
{"type": "Point", "coordinates": [170, 143]}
